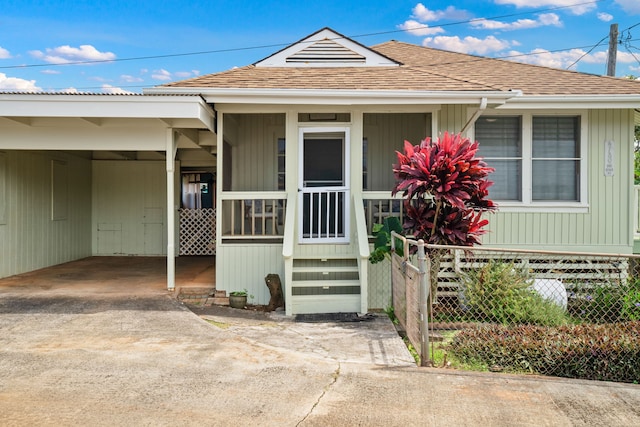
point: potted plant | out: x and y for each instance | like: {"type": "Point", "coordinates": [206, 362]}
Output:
{"type": "Point", "coordinates": [238, 299]}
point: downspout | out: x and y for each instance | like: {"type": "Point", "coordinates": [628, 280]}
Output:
{"type": "Point", "coordinates": [472, 120]}
{"type": "Point", "coordinates": [172, 148]}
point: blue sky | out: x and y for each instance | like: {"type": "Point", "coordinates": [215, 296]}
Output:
{"type": "Point", "coordinates": [39, 38]}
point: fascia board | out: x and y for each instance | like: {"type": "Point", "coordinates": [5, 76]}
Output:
{"type": "Point", "coordinates": [340, 97]}
{"type": "Point", "coordinates": [573, 102]}
{"type": "Point", "coordinates": [103, 106]}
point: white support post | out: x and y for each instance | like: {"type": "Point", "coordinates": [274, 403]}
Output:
{"type": "Point", "coordinates": [171, 213]}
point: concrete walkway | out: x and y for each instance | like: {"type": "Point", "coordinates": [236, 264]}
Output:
{"type": "Point", "coordinates": [72, 354]}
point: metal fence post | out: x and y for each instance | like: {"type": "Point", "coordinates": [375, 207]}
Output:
{"type": "Point", "coordinates": [424, 267]}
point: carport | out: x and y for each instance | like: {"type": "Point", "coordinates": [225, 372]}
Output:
{"type": "Point", "coordinates": [92, 175]}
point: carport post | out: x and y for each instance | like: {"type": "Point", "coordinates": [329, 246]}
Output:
{"type": "Point", "coordinates": [171, 213]}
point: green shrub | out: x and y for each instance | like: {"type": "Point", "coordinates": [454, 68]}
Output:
{"type": "Point", "coordinates": [608, 352]}
{"type": "Point", "coordinates": [501, 292]}
{"type": "Point", "coordinates": [607, 303]}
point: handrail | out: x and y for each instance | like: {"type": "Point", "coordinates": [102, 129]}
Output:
{"type": "Point", "coordinates": [289, 226]}
{"type": "Point", "coordinates": [361, 226]}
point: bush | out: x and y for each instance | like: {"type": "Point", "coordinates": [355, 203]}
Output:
{"type": "Point", "coordinates": [607, 352]}
{"type": "Point", "coordinates": [606, 303]}
{"type": "Point", "coordinates": [501, 292]}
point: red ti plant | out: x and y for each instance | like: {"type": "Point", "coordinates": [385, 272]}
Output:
{"type": "Point", "coordinates": [445, 188]}
{"type": "Point", "coordinates": [445, 191]}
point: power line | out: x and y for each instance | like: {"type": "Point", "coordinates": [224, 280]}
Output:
{"type": "Point", "coordinates": [276, 45]}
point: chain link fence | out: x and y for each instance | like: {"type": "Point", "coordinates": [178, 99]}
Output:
{"type": "Point", "coordinates": [553, 313]}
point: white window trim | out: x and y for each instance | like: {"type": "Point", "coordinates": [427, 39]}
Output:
{"type": "Point", "coordinates": [527, 204]}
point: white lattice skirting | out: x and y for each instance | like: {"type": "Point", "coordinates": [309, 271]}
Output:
{"type": "Point", "coordinates": [197, 231]}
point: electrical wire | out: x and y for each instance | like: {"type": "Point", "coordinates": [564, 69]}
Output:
{"type": "Point", "coordinates": [276, 45]}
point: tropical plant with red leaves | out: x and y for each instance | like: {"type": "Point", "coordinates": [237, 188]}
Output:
{"type": "Point", "coordinates": [445, 190]}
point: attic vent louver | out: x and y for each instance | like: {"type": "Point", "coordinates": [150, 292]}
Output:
{"type": "Point", "coordinates": [326, 51]}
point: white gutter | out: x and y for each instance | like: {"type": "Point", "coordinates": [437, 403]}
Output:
{"type": "Point", "coordinates": [472, 120]}
{"type": "Point", "coordinates": [573, 101]}
{"type": "Point", "coordinates": [338, 97]}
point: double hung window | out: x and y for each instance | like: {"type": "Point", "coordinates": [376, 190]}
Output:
{"type": "Point", "coordinates": [537, 158]}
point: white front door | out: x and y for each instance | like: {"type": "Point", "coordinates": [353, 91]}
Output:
{"type": "Point", "coordinates": [324, 185]}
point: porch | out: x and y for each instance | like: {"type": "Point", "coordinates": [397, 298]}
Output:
{"type": "Point", "coordinates": [298, 196]}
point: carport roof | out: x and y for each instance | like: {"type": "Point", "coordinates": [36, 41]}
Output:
{"type": "Point", "coordinates": [179, 110]}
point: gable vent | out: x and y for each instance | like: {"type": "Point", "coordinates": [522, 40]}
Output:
{"type": "Point", "coordinates": [326, 51]}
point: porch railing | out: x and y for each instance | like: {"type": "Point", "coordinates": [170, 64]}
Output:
{"type": "Point", "coordinates": [253, 215]}
{"type": "Point", "coordinates": [379, 205]}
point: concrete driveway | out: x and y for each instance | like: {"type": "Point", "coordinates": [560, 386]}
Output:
{"type": "Point", "coordinates": [85, 355]}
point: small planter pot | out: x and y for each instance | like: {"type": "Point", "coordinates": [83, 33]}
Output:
{"type": "Point", "coordinates": [237, 301]}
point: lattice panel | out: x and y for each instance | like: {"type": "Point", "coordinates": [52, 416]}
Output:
{"type": "Point", "coordinates": [197, 231]}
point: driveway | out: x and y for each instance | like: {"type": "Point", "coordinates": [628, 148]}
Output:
{"type": "Point", "coordinates": [71, 355]}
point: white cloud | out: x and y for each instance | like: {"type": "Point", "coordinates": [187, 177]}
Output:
{"type": "Point", "coordinates": [543, 20]}
{"type": "Point", "coordinates": [4, 53]}
{"type": "Point", "coordinates": [114, 90]}
{"type": "Point", "coordinates": [70, 89]}
{"type": "Point", "coordinates": [418, 29]}
{"type": "Point", "coordinates": [565, 59]}
{"type": "Point", "coordinates": [577, 9]}
{"type": "Point", "coordinates": [14, 83]}
{"type": "Point", "coordinates": [468, 44]}
{"type": "Point", "coordinates": [629, 6]}
{"type": "Point", "coordinates": [51, 72]}
{"type": "Point", "coordinates": [196, 72]}
{"type": "Point", "coordinates": [100, 79]}
{"type": "Point", "coordinates": [66, 54]}
{"type": "Point", "coordinates": [161, 74]}
{"type": "Point", "coordinates": [423, 14]}
{"type": "Point", "coordinates": [605, 17]}
{"type": "Point", "coordinates": [131, 79]}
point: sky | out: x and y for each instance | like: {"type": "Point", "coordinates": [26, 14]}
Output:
{"type": "Point", "coordinates": [49, 45]}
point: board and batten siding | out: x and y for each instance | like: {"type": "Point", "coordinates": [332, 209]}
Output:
{"type": "Point", "coordinates": [45, 210]}
{"type": "Point", "coordinates": [608, 224]}
{"type": "Point", "coordinates": [240, 267]}
{"type": "Point", "coordinates": [253, 139]}
{"type": "Point", "coordinates": [129, 207]}
{"type": "Point", "coordinates": [385, 134]}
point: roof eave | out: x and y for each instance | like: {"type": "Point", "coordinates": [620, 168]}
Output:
{"type": "Point", "coordinates": [187, 107]}
{"type": "Point", "coordinates": [573, 102]}
{"type": "Point", "coordinates": [339, 97]}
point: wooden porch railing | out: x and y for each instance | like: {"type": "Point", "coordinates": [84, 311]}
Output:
{"type": "Point", "coordinates": [253, 215]}
{"type": "Point", "coordinates": [379, 205]}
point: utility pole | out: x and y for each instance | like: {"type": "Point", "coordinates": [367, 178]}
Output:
{"type": "Point", "coordinates": [613, 50]}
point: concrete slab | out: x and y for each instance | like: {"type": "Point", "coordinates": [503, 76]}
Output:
{"type": "Point", "coordinates": [72, 354]}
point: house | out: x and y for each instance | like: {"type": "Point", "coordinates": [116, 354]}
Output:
{"type": "Point", "coordinates": [297, 152]}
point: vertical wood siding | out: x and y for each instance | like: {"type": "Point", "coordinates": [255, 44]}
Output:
{"type": "Point", "coordinates": [386, 134]}
{"type": "Point", "coordinates": [608, 225]}
{"type": "Point", "coordinates": [452, 118]}
{"type": "Point", "coordinates": [254, 150]}
{"type": "Point", "coordinates": [240, 267]}
{"type": "Point", "coordinates": [129, 208]}
{"type": "Point", "coordinates": [29, 236]}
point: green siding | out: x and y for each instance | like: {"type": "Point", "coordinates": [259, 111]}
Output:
{"type": "Point", "coordinates": [244, 266]}
{"type": "Point", "coordinates": [608, 224]}
{"type": "Point", "coordinates": [253, 139]}
{"type": "Point", "coordinates": [129, 208]}
{"type": "Point", "coordinates": [29, 237]}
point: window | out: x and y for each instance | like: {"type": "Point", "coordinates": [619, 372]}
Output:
{"type": "Point", "coordinates": [281, 163]}
{"type": "Point", "coordinates": [537, 159]}
{"type": "Point", "coordinates": [500, 141]}
{"type": "Point", "coordinates": [556, 158]}
{"type": "Point", "coordinates": [365, 163]}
